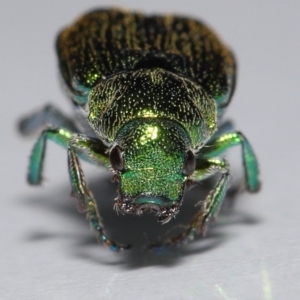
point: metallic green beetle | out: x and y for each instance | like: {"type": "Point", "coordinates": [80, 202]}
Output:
{"type": "Point", "coordinates": [149, 92]}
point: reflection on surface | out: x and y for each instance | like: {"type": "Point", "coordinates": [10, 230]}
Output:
{"type": "Point", "coordinates": [222, 293]}
{"type": "Point", "coordinates": [267, 287]}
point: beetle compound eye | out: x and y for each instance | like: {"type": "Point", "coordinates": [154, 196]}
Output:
{"type": "Point", "coordinates": [116, 158]}
{"type": "Point", "coordinates": [189, 163]}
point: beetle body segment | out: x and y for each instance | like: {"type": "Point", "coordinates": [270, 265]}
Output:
{"type": "Point", "coordinates": [151, 93]}
{"type": "Point", "coordinates": [106, 42]}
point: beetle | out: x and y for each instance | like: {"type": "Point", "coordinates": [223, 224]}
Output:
{"type": "Point", "coordinates": [149, 94]}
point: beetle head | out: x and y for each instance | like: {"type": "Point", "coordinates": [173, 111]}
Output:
{"type": "Point", "coordinates": [152, 161]}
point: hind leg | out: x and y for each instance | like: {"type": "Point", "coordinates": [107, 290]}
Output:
{"type": "Point", "coordinates": [49, 116]}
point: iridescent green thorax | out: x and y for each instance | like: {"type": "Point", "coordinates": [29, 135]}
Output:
{"type": "Point", "coordinates": [151, 93]}
{"type": "Point", "coordinates": [153, 151]}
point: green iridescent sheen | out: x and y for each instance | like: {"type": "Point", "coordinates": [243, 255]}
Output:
{"type": "Point", "coordinates": [106, 42]}
{"type": "Point", "coordinates": [59, 136]}
{"type": "Point", "coordinates": [153, 93]}
{"type": "Point", "coordinates": [149, 94]}
{"type": "Point", "coordinates": [222, 143]}
{"type": "Point", "coordinates": [154, 150]}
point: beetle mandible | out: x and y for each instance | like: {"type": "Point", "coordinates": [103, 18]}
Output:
{"type": "Point", "coordinates": [151, 92]}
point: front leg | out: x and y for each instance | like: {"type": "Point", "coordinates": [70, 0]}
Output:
{"type": "Point", "coordinates": [89, 149]}
{"type": "Point", "coordinates": [211, 205]}
{"type": "Point", "coordinates": [80, 144]}
{"type": "Point", "coordinates": [36, 162]}
{"type": "Point", "coordinates": [93, 151]}
{"type": "Point", "coordinates": [220, 144]}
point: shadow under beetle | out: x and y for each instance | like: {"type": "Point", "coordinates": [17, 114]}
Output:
{"type": "Point", "coordinates": [149, 93]}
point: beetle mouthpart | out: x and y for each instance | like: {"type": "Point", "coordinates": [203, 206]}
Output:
{"type": "Point", "coordinates": [168, 213]}
{"type": "Point", "coordinates": [148, 207]}
{"type": "Point", "coordinates": [124, 205]}
{"type": "Point", "coordinates": [165, 219]}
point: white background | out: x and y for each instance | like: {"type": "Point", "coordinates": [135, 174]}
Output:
{"type": "Point", "coordinates": [47, 250]}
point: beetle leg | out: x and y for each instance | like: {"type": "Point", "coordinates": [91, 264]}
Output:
{"type": "Point", "coordinates": [211, 205]}
{"type": "Point", "coordinates": [47, 116]}
{"type": "Point", "coordinates": [80, 190]}
{"type": "Point", "coordinates": [89, 149]}
{"type": "Point", "coordinates": [36, 162]}
{"type": "Point", "coordinates": [221, 143]}
{"type": "Point", "coordinates": [224, 127]}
